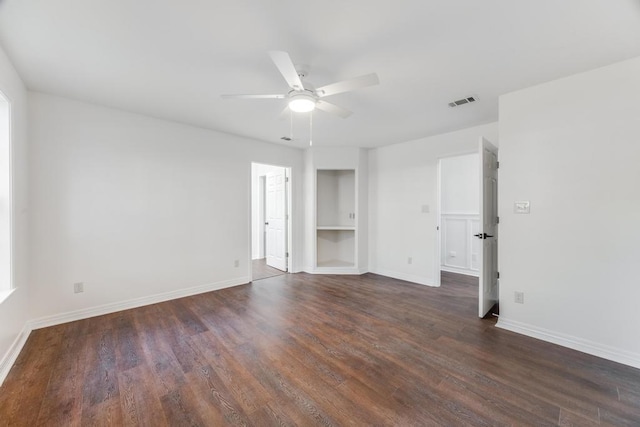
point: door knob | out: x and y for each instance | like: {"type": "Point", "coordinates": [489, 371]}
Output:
{"type": "Point", "coordinates": [482, 235]}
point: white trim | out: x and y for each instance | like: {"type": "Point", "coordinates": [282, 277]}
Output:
{"type": "Point", "coordinates": [10, 357]}
{"type": "Point", "coordinates": [10, 181]}
{"type": "Point", "coordinates": [454, 269]}
{"type": "Point", "coordinates": [4, 294]}
{"type": "Point", "coordinates": [459, 214]}
{"type": "Point", "coordinates": [336, 227]}
{"type": "Point", "coordinates": [406, 277]}
{"type": "Point", "coordinates": [337, 270]}
{"type": "Point", "coordinates": [100, 310]}
{"type": "Point", "coordinates": [438, 240]}
{"type": "Point", "coordinates": [585, 346]}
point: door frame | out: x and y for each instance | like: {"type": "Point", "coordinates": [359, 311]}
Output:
{"type": "Point", "coordinates": [438, 249]}
{"type": "Point", "coordinates": [289, 219]}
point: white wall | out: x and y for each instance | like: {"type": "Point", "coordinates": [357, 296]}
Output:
{"type": "Point", "coordinates": [460, 184]}
{"type": "Point", "coordinates": [134, 206]}
{"type": "Point", "coordinates": [258, 170]}
{"type": "Point", "coordinates": [571, 147]}
{"type": "Point", "coordinates": [459, 210]}
{"type": "Point", "coordinates": [13, 305]}
{"type": "Point", "coordinates": [403, 179]}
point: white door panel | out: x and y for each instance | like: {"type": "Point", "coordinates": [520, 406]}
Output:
{"type": "Point", "coordinates": [488, 233]}
{"type": "Point", "coordinates": [275, 220]}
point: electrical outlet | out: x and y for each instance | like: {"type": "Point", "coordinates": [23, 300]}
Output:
{"type": "Point", "coordinates": [78, 287]}
{"type": "Point", "coordinates": [236, 263]}
{"type": "Point", "coordinates": [518, 297]}
{"type": "Point", "coordinates": [409, 260]}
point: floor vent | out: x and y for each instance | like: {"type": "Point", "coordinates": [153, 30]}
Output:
{"type": "Point", "coordinates": [463, 101]}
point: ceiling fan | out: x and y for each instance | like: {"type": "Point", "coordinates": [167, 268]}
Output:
{"type": "Point", "coordinates": [303, 97]}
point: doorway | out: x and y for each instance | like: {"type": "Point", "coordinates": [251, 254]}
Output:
{"type": "Point", "coordinates": [270, 220]}
{"type": "Point", "coordinates": [467, 223]}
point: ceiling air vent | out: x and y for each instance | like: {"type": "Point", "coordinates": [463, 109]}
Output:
{"type": "Point", "coordinates": [463, 101]}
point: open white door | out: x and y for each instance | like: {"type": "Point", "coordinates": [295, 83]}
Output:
{"type": "Point", "coordinates": [488, 286]}
{"type": "Point", "coordinates": [275, 220]}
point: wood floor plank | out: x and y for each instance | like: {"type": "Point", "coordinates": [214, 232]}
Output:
{"type": "Point", "coordinates": [182, 407]}
{"type": "Point", "coordinates": [21, 392]}
{"type": "Point", "coordinates": [249, 393]}
{"type": "Point", "coordinates": [62, 401]}
{"type": "Point", "coordinates": [100, 380]}
{"type": "Point", "coordinates": [300, 349]}
{"type": "Point", "coordinates": [139, 399]}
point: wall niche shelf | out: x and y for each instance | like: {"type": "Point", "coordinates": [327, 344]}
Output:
{"type": "Point", "coordinates": [335, 219]}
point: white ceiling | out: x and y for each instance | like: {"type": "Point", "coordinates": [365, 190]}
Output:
{"type": "Point", "coordinates": [173, 59]}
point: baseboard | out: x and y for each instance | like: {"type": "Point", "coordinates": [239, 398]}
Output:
{"type": "Point", "coordinates": [585, 346]}
{"type": "Point", "coordinates": [403, 276]}
{"type": "Point", "coordinates": [336, 270]}
{"type": "Point", "coordinates": [100, 310]}
{"type": "Point", "coordinates": [459, 271]}
{"type": "Point", "coordinates": [11, 355]}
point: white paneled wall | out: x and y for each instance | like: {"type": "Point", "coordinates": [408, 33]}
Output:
{"type": "Point", "coordinates": [459, 247]}
{"type": "Point", "coordinates": [459, 218]}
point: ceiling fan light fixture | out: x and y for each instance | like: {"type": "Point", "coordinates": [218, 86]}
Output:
{"type": "Point", "coordinates": [302, 103]}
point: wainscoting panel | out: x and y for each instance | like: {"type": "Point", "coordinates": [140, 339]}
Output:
{"type": "Point", "coordinates": [460, 249]}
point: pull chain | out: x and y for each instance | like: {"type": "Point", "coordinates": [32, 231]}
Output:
{"type": "Point", "coordinates": [310, 128]}
{"type": "Point", "coordinates": [290, 124]}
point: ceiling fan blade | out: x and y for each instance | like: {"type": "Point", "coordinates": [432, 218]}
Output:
{"type": "Point", "coordinates": [333, 109]}
{"type": "Point", "coordinates": [348, 85]}
{"type": "Point", "coordinates": [253, 96]}
{"type": "Point", "coordinates": [286, 68]}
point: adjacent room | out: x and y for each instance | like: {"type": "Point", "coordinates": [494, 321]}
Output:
{"type": "Point", "coordinates": [319, 213]}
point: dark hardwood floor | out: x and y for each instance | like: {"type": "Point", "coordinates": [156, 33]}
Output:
{"type": "Point", "coordinates": [260, 269]}
{"type": "Point", "coordinates": [301, 349]}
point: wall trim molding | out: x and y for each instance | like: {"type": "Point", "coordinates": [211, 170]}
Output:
{"type": "Point", "coordinates": [10, 357]}
{"type": "Point", "coordinates": [590, 347]}
{"type": "Point", "coordinates": [458, 270]}
{"type": "Point", "coordinates": [420, 280]}
{"type": "Point", "coordinates": [353, 271]}
{"type": "Point", "coordinates": [100, 310]}
{"type": "Point", "coordinates": [465, 214]}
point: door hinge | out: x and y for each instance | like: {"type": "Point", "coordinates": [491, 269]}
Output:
{"type": "Point", "coordinates": [286, 254]}
{"type": "Point", "coordinates": [497, 165]}
{"type": "Point", "coordinates": [286, 179]}
{"type": "Point", "coordinates": [497, 274]}
{"type": "Point", "coordinates": [286, 216]}
{"type": "Point", "coordinates": [497, 220]}
{"type": "Point", "coordinates": [438, 228]}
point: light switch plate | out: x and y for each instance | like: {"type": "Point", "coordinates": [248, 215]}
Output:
{"type": "Point", "coordinates": [521, 207]}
